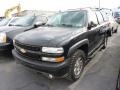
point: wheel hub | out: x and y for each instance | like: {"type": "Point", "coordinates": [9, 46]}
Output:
{"type": "Point", "coordinates": [78, 66]}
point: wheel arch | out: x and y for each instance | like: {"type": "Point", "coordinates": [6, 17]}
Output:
{"type": "Point", "coordinates": [83, 45]}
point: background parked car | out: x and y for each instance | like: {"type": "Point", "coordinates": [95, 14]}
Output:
{"type": "Point", "coordinates": [107, 11]}
{"type": "Point", "coordinates": [1, 18]}
{"type": "Point", "coordinates": [117, 17]}
{"type": "Point", "coordinates": [16, 27]}
{"type": "Point", "coordinates": [113, 24]}
{"type": "Point", "coordinates": [63, 45]}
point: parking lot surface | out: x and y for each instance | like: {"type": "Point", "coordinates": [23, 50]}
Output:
{"type": "Point", "coordinates": [99, 74]}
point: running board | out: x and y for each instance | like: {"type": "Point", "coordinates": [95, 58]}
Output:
{"type": "Point", "coordinates": [94, 53]}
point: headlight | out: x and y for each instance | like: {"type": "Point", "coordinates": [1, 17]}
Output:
{"type": "Point", "coordinates": [53, 50]}
{"type": "Point", "coordinates": [2, 37]}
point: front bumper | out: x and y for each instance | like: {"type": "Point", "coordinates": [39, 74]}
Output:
{"type": "Point", "coordinates": [57, 69]}
{"type": "Point", "coordinates": [5, 46]}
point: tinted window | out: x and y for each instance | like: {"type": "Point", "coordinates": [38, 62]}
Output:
{"type": "Point", "coordinates": [92, 17]}
{"type": "Point", "coordinates": [23, 21]}
{"type": "Point", "coordinates": [68, 18]}
{"type": "Point", "coordinates": [106, 18]}
{"type": "Point", "coordinates": [100, 17]}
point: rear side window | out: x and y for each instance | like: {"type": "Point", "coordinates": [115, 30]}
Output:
{"type": "Point", "coordinates": [105, 17]}
{"type": "Point", "coordinates": [100, 17]}
{"type": "Point", "coordinates": [92, 17]}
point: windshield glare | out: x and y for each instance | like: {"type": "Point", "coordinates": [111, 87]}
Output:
{"type": "Point", "coordinates": [13, 20]}
{"type": "Point", "coordinates": [4, 22]}
{"type": "Point", "coordinates": [23, 21]}
{"type": "Point", "coordinates": [69, 18]}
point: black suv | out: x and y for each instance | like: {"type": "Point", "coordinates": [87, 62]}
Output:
{"type": "Point", "coordinates": [62, 46]}
{"type": "Point", "coordinates": [15, 27]}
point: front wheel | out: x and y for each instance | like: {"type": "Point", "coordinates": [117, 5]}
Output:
{"type": "Point", "coordinates": [77, 65]}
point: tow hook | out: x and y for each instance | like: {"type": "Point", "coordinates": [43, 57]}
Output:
{"type": "Point", "coordinates": [50, 76]}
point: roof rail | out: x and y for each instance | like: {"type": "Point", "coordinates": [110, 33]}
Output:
{"type": "Point", "coordinates": [80, 8]}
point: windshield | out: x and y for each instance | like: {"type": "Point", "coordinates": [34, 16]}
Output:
{"type": "Point", "coordinates": [23, 21]}
{"type": "Point", "coordinates": [69, 18]}
{"type": "Point", "coordinates": [4, 22]}
{"type": "Point", "coordinates": [13, 20]}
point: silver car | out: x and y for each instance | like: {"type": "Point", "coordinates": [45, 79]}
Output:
{"type": "Point", "coordinates": [113, 24]}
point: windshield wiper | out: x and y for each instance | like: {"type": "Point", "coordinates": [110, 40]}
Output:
{"type": "Point", "coordinates": [67, 25]}
{"type": "Point", "coordinates": [19, 25]}
{"type": "Point", "coordinates": [15, 25]}
{"type": "Point", "coordinates": [49, 25]}
{"type": "Point", "coordinates": [11, 25]}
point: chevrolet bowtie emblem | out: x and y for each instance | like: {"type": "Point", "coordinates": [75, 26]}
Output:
{"type": "Point", "coordinates": [23, 50]}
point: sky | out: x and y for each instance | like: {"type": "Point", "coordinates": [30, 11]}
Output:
{"type": "Point", "coordinates": [54, 5]}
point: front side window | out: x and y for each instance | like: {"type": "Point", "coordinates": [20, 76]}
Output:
{"type": "Point", "coordinates": [92, 18]}
{"type": "Point", "coordinates": [105, 16]}
{"type": "Point", "coordinates": [23, 21]}
{"type": "Point", "coordinates": [68, 18]}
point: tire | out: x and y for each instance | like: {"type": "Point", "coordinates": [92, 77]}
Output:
{"type": "Point", "coordinates": [110, 32]}
{"type": "Point", "coordinates": [77, 65]}
{"type": "Point", "coordinates": [105, 42]}
{"type": "Point", "coordinates": [116, 30]}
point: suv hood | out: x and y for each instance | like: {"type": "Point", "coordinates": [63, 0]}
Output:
{"type": "Point", "coordinates": [46, 36]}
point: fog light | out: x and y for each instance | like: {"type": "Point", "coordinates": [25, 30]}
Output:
{"type": "Point", "coordinates": [59, 59]}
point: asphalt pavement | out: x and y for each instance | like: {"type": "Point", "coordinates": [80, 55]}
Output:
{"type": "Point", "coordinates": [99, 74]}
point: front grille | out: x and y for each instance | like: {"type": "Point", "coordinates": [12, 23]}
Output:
{"type": "Point", "coordinates": [32, 52]}
{"type": "Point", "coordinates": [29, 55]}
{"type": "Point", "coordinates": [28, 47]}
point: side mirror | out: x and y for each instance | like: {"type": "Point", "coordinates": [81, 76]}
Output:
{"type": "Point", "coordinates": [91, 25]}
{"type": "Point", "coordinates": [37, 24]}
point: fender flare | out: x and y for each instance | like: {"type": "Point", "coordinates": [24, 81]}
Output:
{"type": "Point", "coordinates": [76, 46]}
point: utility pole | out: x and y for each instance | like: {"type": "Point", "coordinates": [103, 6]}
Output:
{"type": "Point", "coordinates": [99, 4]}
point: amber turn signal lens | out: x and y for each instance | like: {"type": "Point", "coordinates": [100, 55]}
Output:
{"type": "Point", "coordinates": [60, 59]}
